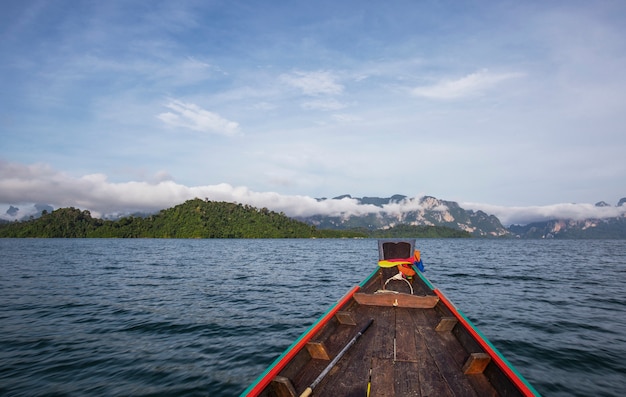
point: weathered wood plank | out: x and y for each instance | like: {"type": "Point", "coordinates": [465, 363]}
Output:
{"type": "Point", "coordinates": [282, 387]}
{"type": "Point", "coordinates": [419, 288]}
{"type": "Point", "coordinates": [307, 374]}
{"type": "Point", "coordinates": [330, 340]}
{"type": "Point", "coordinates": [431, 383]}
{"type": "Point", "coordinates": [396, 300]}
{"type": "Point", "coordinates": [448, 368]}
{"type": "Point", "coordinates": [381, 333]}
{"type": "Point", "coordinates": [350, 375]}
{"type": "Point", "coordinates": [406, 379]}
{"type": "Point", "coordinates": [454, 347]}
{"type": "Point", "coordinates": [446, 324]}
{"type": "Point", "coordinates": [494, 376]}
{"type": "Point", "coordinates": [405, 335]}
{"type": "Point", "coordinates": [345, 317]}
{"type": "Point", "coordinates": [476, 363]}
{"type": "Point", "coordinates": [382, 378]}
{"type": "Point", "coordinates": [478, 381]}
{"type": "Point", "coordinates": [318, 350]}
{"type": "Point", "coordinates": [299, 361]}
{"type": "Point", "coordinates": [467, 340]}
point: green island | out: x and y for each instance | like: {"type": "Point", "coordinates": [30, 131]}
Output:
{"type": "Point", "coordinates": [198, 219]}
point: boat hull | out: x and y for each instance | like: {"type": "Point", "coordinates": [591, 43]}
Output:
{"type": "Point", "coordinates": [419, 344]}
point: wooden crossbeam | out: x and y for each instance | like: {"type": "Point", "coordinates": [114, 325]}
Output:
{"type": "Point", "coordinates": [446, 324]}
{"type": "Point", "coordinates": [345, 317]}
{"type": "Point", "coordinates": [398, 300]}
{"type": "Point", "coordinates": [476, 363]}
{"type": "Point", "coordinates": [283, 387]}
{"type": "Point", "coordinates": [318, 350]}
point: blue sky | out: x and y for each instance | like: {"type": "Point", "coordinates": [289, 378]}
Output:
{"type": "Point", "coordinates": [512, 107]}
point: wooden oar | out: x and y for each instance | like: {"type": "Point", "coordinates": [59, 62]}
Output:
{"type": "Point", "coordinates": [309, 390]}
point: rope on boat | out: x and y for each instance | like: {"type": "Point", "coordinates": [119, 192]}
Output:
{"type": "Point", "coordinates": [398, 276]}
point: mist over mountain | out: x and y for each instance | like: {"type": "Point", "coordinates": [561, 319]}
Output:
{"type": "Point", "coordinates": [402, 210]}
{"type": "Point", "coordinates": [591, 228]}
{"type": "Point", "coordinates": [430, 211]}
{"type": "Point", "coordinates": [601, 220]}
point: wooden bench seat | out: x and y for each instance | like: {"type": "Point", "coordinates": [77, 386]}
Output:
{"type": "Point", "coordinates": [397, 299]}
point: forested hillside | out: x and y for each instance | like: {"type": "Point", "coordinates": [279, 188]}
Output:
{"type": "Point", "coordinates": [192, 219]}
{"type": "Point", "coordinates": [198, 219]}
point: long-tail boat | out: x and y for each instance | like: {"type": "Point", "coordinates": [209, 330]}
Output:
{"type": "Point", "coordinates": [395, 334]}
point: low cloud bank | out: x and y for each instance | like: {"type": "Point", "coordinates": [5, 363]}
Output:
{"type": "Point", "coordinates": [525, 215]}
{"type": "Point", "coordinates": [24, 185]}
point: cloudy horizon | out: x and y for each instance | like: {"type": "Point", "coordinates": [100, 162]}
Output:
{"type": "Point", "coordinates": [514, 107]}
{"type": "Point", "coordinates": [23, 187]}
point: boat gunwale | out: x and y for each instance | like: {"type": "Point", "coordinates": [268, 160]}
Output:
{"type": "Point", "coordinates": [281, 362]}
{"type": "Point", "coordinates": [505, 366]}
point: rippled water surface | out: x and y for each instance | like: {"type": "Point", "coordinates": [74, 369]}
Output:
{"type": "Point", "coordinates": [206, 317]}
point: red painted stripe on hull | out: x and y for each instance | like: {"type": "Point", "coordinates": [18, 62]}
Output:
{"type": "Point", "coordinates": [521, 384]}
{"type": "Point", "coordinates": [298, 345]}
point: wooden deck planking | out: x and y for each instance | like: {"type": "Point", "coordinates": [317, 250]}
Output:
{"type": "Point", "coordinates": [351, 373]}
{"type": "Point", "coordinates": [350, 377]}
{"type": "Point", "coordinates": [405, 335]}
{"type": "Point", "coordinates": [380, 335]}
{"type": "Point", "coordinates": [382, 383]}
{"type": "Point", "coordinates": [448, 367]}
{"type": "Point", "coordinates": [418, 369]}
{"type": "Point", "coordinates": [426, 378]}
{"type": "Point", "coordinates": [307, 374]}
{"type": "Point", "coordinates": [406, 379]}
{"type": "Point", "coordinates": [427, 362]}
{"type": "Point", "coordinates": [431, 382]}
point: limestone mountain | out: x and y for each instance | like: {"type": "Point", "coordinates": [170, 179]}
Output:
{"type": "Point", "coordinates": [400, 210]}
{"type": "Point", "coordinates": [592, 228]}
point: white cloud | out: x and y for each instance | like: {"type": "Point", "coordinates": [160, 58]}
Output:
{"type": "Point", "coordinates": [20, 185]}
{"type": "Point", "coordinates": [314, 83]}
{"type": "Point", "coordinates": [23, 185]}
{"type": "Point", "coordinates": [525, 215]}
{"type": "Point", "coordinates": [470, 85]}
{"type": "Point", "coordinates": [193, 117]}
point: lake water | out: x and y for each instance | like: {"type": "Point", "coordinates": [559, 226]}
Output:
{"type": "Point", "coordinates": [206, 317]}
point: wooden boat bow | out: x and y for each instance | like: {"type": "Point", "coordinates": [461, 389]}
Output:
{"type": "Point", "coordinates": [418, 344]}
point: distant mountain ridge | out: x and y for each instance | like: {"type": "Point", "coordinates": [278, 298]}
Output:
{"type": "Point", "coordinates": [592, 228]}
{"type": "Point", "coordinates": [429, 211]}
{"type": "Point", "coordinates": [435, 212]}
{"type": "Point", "coordinates": [611, 228]}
